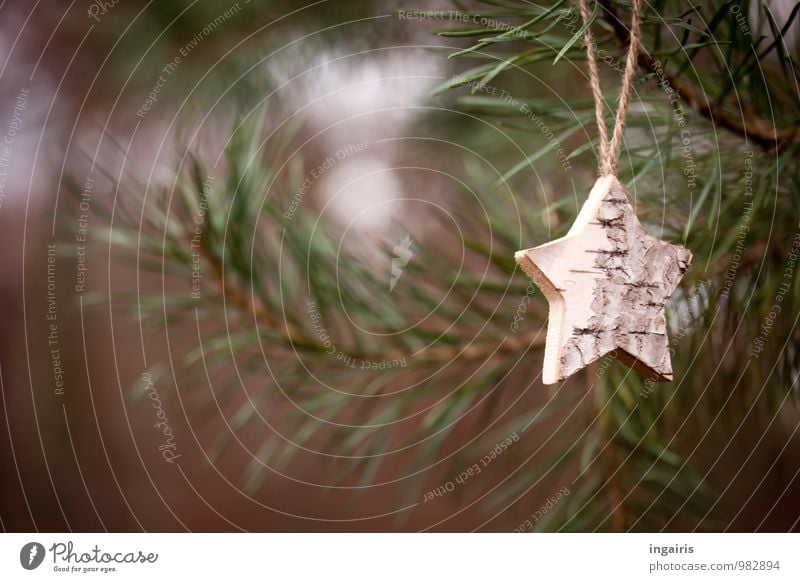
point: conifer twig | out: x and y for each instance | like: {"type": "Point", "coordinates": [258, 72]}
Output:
{"type": "Point", "coordinates": [750, 125]}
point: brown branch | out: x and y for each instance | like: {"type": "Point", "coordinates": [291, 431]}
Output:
{"type": "Point", "coordinates": [608, 460]}
{"type": "Point", "coordinates": [294, 336]}
{"type": "Point", "coordinates": [750, 125]}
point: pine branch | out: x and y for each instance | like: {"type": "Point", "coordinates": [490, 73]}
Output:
{"type": "Point", "coordinates": [748, 125]}
{"type": "Point", "coordinates": [295, 337]}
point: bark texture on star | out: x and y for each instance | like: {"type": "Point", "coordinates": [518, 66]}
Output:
{"type": "Point", "coordinates": [607, 283]}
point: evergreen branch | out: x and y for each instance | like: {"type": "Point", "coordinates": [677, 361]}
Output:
{"type": "Point", "coordinates": [294, 336]}
{"type": "Point", "coordinates": [608, 461]}
{"type": "Point", "coordinates": [750, 125]}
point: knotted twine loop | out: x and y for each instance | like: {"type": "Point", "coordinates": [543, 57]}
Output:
{"type": "Point", "coordinates": [609, 149]}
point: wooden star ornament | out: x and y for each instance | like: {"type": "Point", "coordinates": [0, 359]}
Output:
{"type": "Point", "coordinates": [607, 282]}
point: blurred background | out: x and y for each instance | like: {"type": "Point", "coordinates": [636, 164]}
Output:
{"type": "Point", "coordinates": [257, 267]}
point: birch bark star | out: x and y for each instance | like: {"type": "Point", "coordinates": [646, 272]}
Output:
{"type": "Point", "coordinates": [607, 283]}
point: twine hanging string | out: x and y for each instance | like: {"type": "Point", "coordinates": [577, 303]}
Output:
{"type": "Point", "coordinates": [609, 149]}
